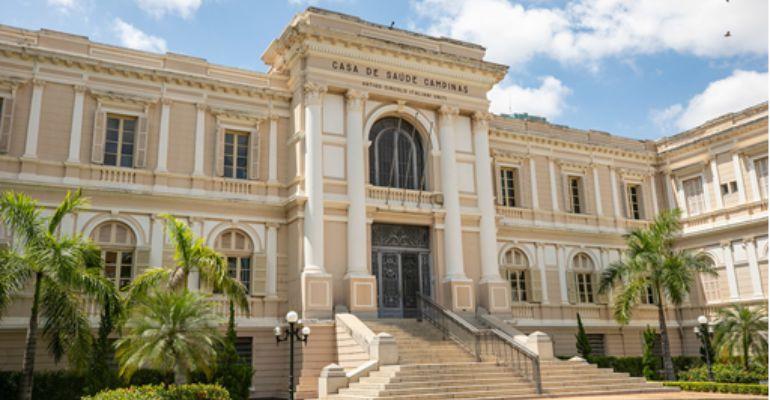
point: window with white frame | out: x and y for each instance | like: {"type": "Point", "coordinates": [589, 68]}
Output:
{"type": "Point", "coordinates": [648, 295]}
{"type": "Point", "coordinates": [634, 201]}
{"type": "Point", "coordinates": [118, 245]}
{"type": "Point", "coordinates": [237, 249]}
{"type": "Point", "coordinates": [119, 140]}
{"type": "Point", "coordinates": [760, 166]}
{"type": "Point", "coordinates": [575, 194]}
{"type": "Point", "coordinates": [515, 266]}
{"type": "Point", "coordinates": [710, 284]}
{"type": "Point", "coordinates": [693, 194]}
{"type": "Point", "coordinates": [236, 161]}
{"type": "Point", "coordinates": [583, 268]}
{"type": "Point", "coordinates": [509, 185]}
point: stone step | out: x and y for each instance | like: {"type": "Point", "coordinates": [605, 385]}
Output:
{"type": "Point", "coordinates": [441, 379]}
{"type": "Point", "coordinates": [440, 384]}
{"type": "Point", "coordinates": [483, 394]}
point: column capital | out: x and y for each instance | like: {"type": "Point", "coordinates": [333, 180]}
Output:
{"type": "Point", "coordinates": [481, 120]}
{"type": "Point", "coordinates": [80, 89]}
{"type": "Point", "coordinates": [313, 92]}
{"type": "Point", "coordinates": [201, 106]}
{"type": "Point", "coordinates": [356, 98]}
{"type": "Point", "coordinates": [274, 225]}
{"type": "Point", "coordinates": [748, 239]}
{"type": "Point", "coordinates": [448, 111]}
{"type": "Point", "coordinates": [273, 117]}
{"type": "Point", "coordinates": [37, 82]}
{"type": "Point", "coordinates": [166, 101]}
{"type": "Point", "coordinates": [725, 243]}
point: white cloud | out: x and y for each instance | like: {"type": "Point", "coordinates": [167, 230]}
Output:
{"type": "Point", "coordinates": [587, 31]}
{"type": "Point", "coordinates": [159, 8]}
{"type": "Point", "coordinates": [548, 100]}
{"type": "Point", "coordinates": [740, 90]}
{"type": "Point", "coordinates": [63, 5]}
{"type": "Point", "coordinates": [133, 38]}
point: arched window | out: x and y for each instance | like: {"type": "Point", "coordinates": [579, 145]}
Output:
{"type": "Point", "coordinates": [118, 245]}
{"type": "Point", "coordinates": [238, 250]}
{"type": "Point", "coordinates": [396, 156]}
{"type": "Point", "coordinates": [515, 268]}
{"type": "Point", "coordinates": [711, 285]}
{"type": "Point", "coordinates": [583, 269]}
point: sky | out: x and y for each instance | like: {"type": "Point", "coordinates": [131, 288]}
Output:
{"type": "Point", "coordinates": [636, 68]}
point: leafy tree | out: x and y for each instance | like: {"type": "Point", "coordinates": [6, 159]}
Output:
{"type": "Point", "coordinates": [190, 253]}
{"type": "Point", "coordinates": [64, 271]}
{"type": "Point", "coordinates": [170, 331]}
{"type": "Point", "coordinates": [649, 361]}
{"type": "Point", "coordinates": [583, 347]}
{"type": "Point", "coordinates": [102, 372]}
{"type": "Point", "coordinates": [232, 373]}
{"type": "Point", "coordinates": [650, 261]}
{"type": "Point", "coordinates": [742, 330]}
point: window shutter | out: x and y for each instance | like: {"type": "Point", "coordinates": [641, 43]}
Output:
{"type": "Point", "coordinates": [142, 260]}
{"type": "Point", "coordinates": [571, 287]}
{"type": "Point", "coordinates": [97, 146]}
{"type": "Point", "coordinates": [6, 124]}
{"type": "Point", "coordinates": [599, 298]}
{"type": "Point", "coordinates": [259, 274]}
{"type": "Point", "coordinates": [566, 203]}
{"type": "Point", "coordinates": [533, 286]}
{"type": "Point", "coordinates": [140, 156]}
{"type": "Point", "coordinates": [219, 164]}
{"type": "Point", "coordinates": [254, 155]}
{"type": "Point", "coordinates": [627, 203]}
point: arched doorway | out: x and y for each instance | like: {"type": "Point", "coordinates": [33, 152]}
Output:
{"type": "Point", "coordinates": [401, 264]}
{"type": "Point", "coordinates": [396, 155]}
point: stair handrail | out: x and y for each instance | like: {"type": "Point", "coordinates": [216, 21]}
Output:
{"type": "Point", "coordinates": [482, 343]}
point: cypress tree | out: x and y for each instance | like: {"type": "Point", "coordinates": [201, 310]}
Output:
{"type": "Point", "coordinates": [583, 347]}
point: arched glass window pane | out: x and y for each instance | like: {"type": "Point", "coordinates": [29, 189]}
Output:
{"type": "Point", "coordinates": [396, 155]}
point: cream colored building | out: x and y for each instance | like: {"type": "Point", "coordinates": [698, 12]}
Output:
{"type": "Point", "coordinates": [361, 169]}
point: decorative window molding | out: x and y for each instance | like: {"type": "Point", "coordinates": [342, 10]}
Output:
{"type": "Point", "coordinates": [634, 204]}
{"type": "Point", "coordinates": [251, 125]}
{"type": "Point", "coordinates": [509, 186]}
{"type": "Point", "coordinates": [119, 252]}
{"type": "Point", "coordinates": [243, 263]}
{"type": "Point", "coordinates": [524, 281]}
{"type": "Point", "coordinates": [110, 103]}
{"type": "Point", "coordinates": [8, 88]}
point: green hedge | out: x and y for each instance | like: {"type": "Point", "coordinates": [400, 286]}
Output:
{"type": "Point", "coordinates": [633, 365]}
{"type": "Point", "coordinates": [194, 391]}
{"type": "Point", "coordinates": [725, 373]}
{"type": "Point", "coordinates": [58, 385]}
{"type": "Point", "coordinates": [740, 388]}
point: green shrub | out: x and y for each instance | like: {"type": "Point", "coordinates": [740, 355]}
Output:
{"type": "Point", "coordinates": [740, 388]}
{"type": "Point", "coordinates": [724, 373]}
{"type": "Point", "coordinates": [194, 391]}
{"type": "Point", "coordinates": [56, 385]}
{"type": "Point", "coordinates": [633, 365]}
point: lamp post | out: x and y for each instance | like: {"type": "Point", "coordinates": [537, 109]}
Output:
{"type": "Point", "coordinates": [704, 332]}
{"type": "Point", "coordinates": [297, 332]}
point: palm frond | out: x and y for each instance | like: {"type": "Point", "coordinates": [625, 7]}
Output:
{"type": "Point", "coordinates": [72, 201]}
{"type": "Point", "coordinates": [65, 320]}
{"type": "Point", "coordinates": [143, 284]}
{"type": "Point", "coordinates": [21, 215]}
{"type": "Point", "coordinates": [14, 275]}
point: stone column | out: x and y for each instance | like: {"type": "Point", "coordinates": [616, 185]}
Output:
{"type": "Point", "coordinates": [614, 189]}
{"type": "Point", "coordinates": [668, 182]}
{"type": "Point", "coordinates": [360, 285]}
{"type": "Point", "coordinates": [200, 135]}
{"type": "Point", "coordinates": [194, 279]}
{"type": "Point", "coordinates": [33, 124]}
{"type": "Point", "coordinates": [715, 184]}
{"type": "Point", "coordinates": [732, 282]}
{"type": "Point", "coordinates": [76, 129]}
{"type": "Point", "coordinates": [552, 178]}
{"type": "Point", "coordinates": [494, 290]}
{"type": "Point", "coordinates": [316, 283]}
{"type": "Point", "coordinates": [561, 259]}
{"type": "Point", "coordinates": [165, 112]}
{"type": "Point", "coordinates": [739, 178]}
{"type": "Point", "coordinates": [156, 240]}
{"type": "Point", "coordinates": [756, 278]}
{"type": "Point", "coordinates": [460, 288]}
{"type": "Point", "coordinates": [533, 182]}
{"type": "Point", "coordinates": [654, 195]}
{"type": "Point", "coordinates": [597, 190]}
{"type": "Point", "coordinates": [271, 250]}
{"type": "Point", "coordinates": [272, 155]}
{"type": "Point", "coordinates": [540, 254]}
{"type": "Point", "coordinates": [753, 181]}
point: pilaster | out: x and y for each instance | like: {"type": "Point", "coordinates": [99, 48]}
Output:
{"type": "Point", "coordinates": [165, 111]}
{"type": "Point", "coordinates": [732, 282]}
{"type": "Point", "coordinates": [756, 277]}
{"type": "Point", "coordinates": [715, 184]}
{"type": "Point", "coordinates": [33, 124]}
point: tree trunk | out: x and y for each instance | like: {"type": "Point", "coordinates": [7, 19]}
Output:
{"type": "Point", "coordinates": [668, 364]}
{"type": "Point", "coordinates": [746, 350]}
{"type": "Point", "coordinates": [180, 377]}
{"type": "Point", "coordinates": [28, 365]}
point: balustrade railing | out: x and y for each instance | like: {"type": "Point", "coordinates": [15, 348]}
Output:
{"type": "Point", "coordinates": [484, 344]}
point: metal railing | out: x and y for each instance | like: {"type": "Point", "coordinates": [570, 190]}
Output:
{"type": "Point", "coordinates": [484, 344]}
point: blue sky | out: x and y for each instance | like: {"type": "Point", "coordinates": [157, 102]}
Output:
{"type": "Point", "coordinates": [641, 69]}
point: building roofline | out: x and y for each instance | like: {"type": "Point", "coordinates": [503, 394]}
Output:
{"type": "Point", "coordinates": [748, 111]}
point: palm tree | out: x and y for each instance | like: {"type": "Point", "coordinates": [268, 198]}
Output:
{"type": "Point", "coordinates": [650, 262]}
{"type": "Point", "coordinates": [190, 254]}
{"type": "Point", "coordinates": [744, 329]}
{"type": "Point", "coordinates": [65, 272]}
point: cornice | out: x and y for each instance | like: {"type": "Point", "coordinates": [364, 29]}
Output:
{"type": "Point", "coordinates": [685, 147]}
{"type": "Point", "coordinates": [241, 116]}
{"type": "Point", "coordinates": [124, 98]}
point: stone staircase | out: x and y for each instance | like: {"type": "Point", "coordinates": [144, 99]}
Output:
{"type": "Point", "coordinates": [430, 367]}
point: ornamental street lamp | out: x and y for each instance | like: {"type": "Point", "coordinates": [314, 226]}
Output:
{"type": "Point", "coordinates": [704, 333]}
{"type": "Point", "coordinates": [297, 332]}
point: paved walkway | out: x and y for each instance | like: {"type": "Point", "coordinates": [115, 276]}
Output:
{"type": "Point", "coordinates": [670, 396]}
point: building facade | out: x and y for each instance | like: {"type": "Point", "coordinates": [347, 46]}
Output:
{"type": "Point", "coordinates": [363, 169]}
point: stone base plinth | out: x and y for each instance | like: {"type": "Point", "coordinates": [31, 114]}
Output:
{"type": "Point", "coordinates": [495, 297]}
{"type": "Point", "coordinates": [361, 294]}
{"type": "Point", "coordinates": [316, 295]}
{"type": "Point", "coordinates": [459, 291]}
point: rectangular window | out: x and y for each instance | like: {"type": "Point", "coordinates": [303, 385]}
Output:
{"type": "Point", "coordinates": [236, 155]}
{"type": "Point", "coordinates": [634, 197]}
{"type": "Point", "coordinates": [596, 340]}
{"type": "Point", "coordinates": [240, 268]}
{"type": "Point", "coordinates": [760, 166]}
{"type": "Point", "coordinates": [693, 193]}
{"type": "Point", "coordinates": [118, 266]}
{"type": "Point", "coordinates": [648, 297]}
{"type": "Point", "coordinates": [508, 186]}
{"type": "Point", "coordinates": [518, 280]}
{"type": "Point", "coordinates": [575, 194]}
{"type": "Point", "coordinates": [119, 141]}
{"type": "Point", "coordinates": [243, 346]}
{"type": "Point", "coordinates": [585, 288]}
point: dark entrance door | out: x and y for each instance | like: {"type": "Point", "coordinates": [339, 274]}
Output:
{"type": "Point", "coordinates": [401, 263]}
